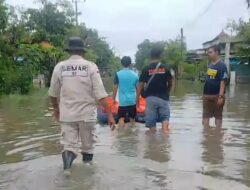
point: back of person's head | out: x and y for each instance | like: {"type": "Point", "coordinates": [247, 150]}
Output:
{"type": "Point", "coordinates": [75, 46]}
{"type": "Point", "coordinates": [126, 61]}
{"type": "Point", "coordinates": [156, 53]}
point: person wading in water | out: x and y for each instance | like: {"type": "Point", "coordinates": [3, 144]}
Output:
{"type": "Point", "coordinates": [75, 87]}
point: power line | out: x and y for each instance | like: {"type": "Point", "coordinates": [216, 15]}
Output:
{"type": "Point", "coordinates": [201, 14]}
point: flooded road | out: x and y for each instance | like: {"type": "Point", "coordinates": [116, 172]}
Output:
{"type": "Point", "coordinates": [190, 157]}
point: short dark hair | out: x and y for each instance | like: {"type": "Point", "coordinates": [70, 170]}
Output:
{"type": "Point", "coordinates": [126, 61]}
{"type": "Point", "coordinates": [76, 52]}
{"type": "Point", "coordinates": [216, 48]}
{"type": "Point", "coordinates": [156, 53]}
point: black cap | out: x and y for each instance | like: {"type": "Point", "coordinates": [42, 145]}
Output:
{"type": "Point", "coordinates": [75, 44]}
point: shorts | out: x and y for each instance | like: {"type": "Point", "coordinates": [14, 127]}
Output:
{"type": "Point", "coordinates": [156, 108]}
{"type": "Point", "coordinates": [211, 107]}
{"type": "Point", "coordinates": [127, 112]}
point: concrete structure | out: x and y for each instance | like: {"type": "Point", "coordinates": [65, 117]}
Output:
{"type": "Point", "coordinates": [196, 55]}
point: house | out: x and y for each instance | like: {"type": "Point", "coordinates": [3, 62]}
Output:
{"type": "Point", "coordinates": [228, 44]}
{"type": "Point", "coordinates": [194, 56]}
{"type": "Point", "coordinates": [222, 39]}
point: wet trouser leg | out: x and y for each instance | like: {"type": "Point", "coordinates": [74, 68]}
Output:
{"type": "Point", "coordinates": [87, 135]}
{"type": "Point", "coordinates": [74, 133]}
{"type": "Point", "coordinates": [70, 138]}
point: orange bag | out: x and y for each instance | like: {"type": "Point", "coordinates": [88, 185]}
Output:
{"type": "Point", "coordinates": [114, 108]}
{"type": "Point", "coordinates": [140, 108]}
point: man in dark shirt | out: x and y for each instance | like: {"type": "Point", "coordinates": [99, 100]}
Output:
{"type": "Point", "coordinates": [214, 88]}
{"type": "Point", "coordinates": [157, 93]}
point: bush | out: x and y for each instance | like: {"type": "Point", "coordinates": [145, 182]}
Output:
{"type": "Point", "coordinates": [189, 68]}
{"type": "Point", "coordinates": [13, 78]}
{"type": "Point", "coordinates": [187, 76]}
{"type": "Point", "coordinates": [192, 71]}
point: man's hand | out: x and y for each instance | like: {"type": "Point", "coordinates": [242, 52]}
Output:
{"type": "Point", "coordinates": [111, 122]}
{"type": "Point", "coordinates": [56, 114]}
{"type": "Point", "coordinates": [137, 102]}
{"type": "Point", "coordinates": [220, 101]}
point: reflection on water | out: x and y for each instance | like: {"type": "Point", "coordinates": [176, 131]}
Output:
{"type": "Point", "coordinates": [190, 157]}
{"type": "Point", "coordinates": [213, 145]}
{"type": "Point", "coordinates": [157, 147]}
{"type": "Point", "coordinates": [127, 142]}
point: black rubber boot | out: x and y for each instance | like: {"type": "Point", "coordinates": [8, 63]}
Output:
{"type": "Point", "coordinates": [87, 158]}
{"type": "Point", "coordinates": [68, 158]}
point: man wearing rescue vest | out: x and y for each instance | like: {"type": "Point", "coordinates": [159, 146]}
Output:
{"type": "Point", "coordinates": [75, 87]}
{"type": "Point", "coordinates": [214, 89]}
{"type": "Point", "coordinates": [158, 79]}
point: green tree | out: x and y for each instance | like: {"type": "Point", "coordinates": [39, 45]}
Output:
{"type": "Point", "coordinates": [142, 56]}
{"type": "Point", "coordinates": [50, 23]}
{"type": "Point", "coordinates": [22, 33]}
{"type": "Point", "coordinates": [243, 50]}
{"type": "Point", "coordinates": [232, 27]}
{"type": "Point", "coordinates": [175, 55]}
{"type": "Point", "coordinates": [98, 49]}
{"type": "Point", "coordinates": [3, 16]}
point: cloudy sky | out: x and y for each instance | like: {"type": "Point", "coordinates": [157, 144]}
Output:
{"type": "Point", "coordinates": [126, 23]}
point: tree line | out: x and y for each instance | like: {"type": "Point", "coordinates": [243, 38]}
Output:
{"type": "Point", "coordinates": [32, 41]}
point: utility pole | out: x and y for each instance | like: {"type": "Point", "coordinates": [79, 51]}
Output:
{"type": "Point", "coordinates": [182, 43]}
{"type": "Point", "coordinates": [76, 9]}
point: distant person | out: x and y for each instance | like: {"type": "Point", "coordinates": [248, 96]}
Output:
{"type": "Point", "coordinates": [75, 86]}
{"type": "Point", "coordinates": [158, 79]}
{"type": "Point", "coordinates": [214, 89]}
{"type": "Point", "coordinates": [126, 80]}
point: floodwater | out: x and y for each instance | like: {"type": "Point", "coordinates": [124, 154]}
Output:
{"type": "Point", "coordinates": [190, 157]}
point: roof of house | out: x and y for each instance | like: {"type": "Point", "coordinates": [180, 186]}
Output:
{"type": "Point", "coordinates": [221, 35]}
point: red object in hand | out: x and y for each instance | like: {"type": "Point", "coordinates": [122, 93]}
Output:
{"type": "Point", "coordinates": [114, 107]}
{"type": "Point", "coordinates": [142, 106]}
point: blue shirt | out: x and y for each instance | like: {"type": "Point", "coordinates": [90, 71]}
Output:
{"type": "Point", "coordinates": [127, 81]}
{"type": "Point", "coordinates": [215, 74]}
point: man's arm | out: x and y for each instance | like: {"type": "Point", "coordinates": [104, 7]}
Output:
{"type": "Point", "coordinates": [223, 79]}
{"type": "Point", "coordinates": [139, 91]}
{"type": "Point", "coordinates": [140, 86]}
{"type": "Point", "coordinates": [55, 105]}
{"type": "Point", "coordinates": [222, 88]}
{"type": "Point", "coordinates": [101, 95]}
{"type": "Point", "coordinates": [115, 88]}
{"type": "Point", "coordinates": [54, 102]}
{"type": "Point", "coordinates": [54, 92]}
{"type": "Point", "coordinates": [170, 84]}
{"type": "Point", "coordinates": [169, 79]}
{"type": "Point", "coordinates": [108, 108]}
